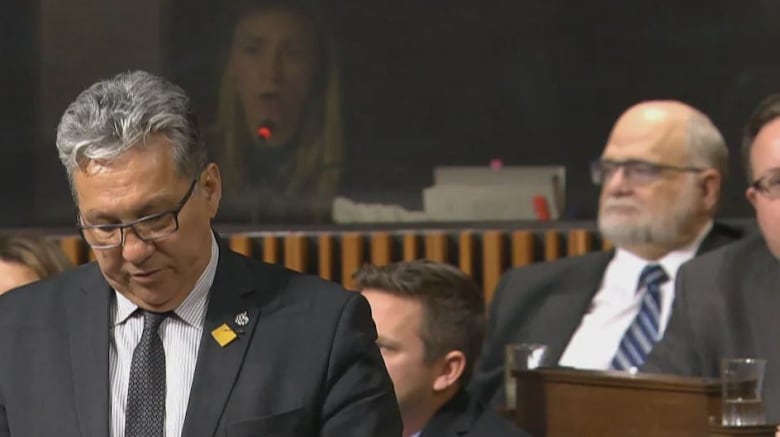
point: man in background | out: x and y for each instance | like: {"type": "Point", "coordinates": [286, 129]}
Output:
{"type": "Point", "coordinates": [661, 174]}
{"type": "Point", "coordinates": [727, 301]}
{"type": "Point", "coordinates": [430, 321]}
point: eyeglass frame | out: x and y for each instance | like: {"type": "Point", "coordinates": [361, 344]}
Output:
{"type": "Point", "coordinates": [761, 186]}
{"type": "Point", "coordinates": [656, 169]}
{"type": "Point", "coordinates": [122, 226]}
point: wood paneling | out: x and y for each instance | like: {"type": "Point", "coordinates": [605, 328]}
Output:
{"type": "Point", "coordinates": [482, 254]}
{"type": "Point", "coordinates": [351, 257]}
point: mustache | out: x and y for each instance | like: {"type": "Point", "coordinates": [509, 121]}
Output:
{"type": "Point", "coordinates": [616, 202]}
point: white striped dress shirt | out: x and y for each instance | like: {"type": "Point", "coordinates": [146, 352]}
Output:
{"type": "Point", "coordinates": [180, 334]}
{"type": "Point", "coordinates": [616, 304]}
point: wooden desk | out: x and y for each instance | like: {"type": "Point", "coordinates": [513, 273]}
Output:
{"type": "Point", "coordinates": [567, 402]}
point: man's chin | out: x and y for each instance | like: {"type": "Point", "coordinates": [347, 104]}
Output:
{"type": "Point", "coordinates": [624, 232]}
{"type": "Point", "coordinates": [152, 299]}
{"type": "Point", "coordinates": [618, 222]}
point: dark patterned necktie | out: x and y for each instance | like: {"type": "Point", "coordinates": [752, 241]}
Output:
{"type": "Point", "coordinates": [641, 336]}
{"type": "Point", "coordinates": [145, 412]}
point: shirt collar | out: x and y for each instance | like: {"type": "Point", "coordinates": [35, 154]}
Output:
{"type": "Point", "coordinates": [192, 310]}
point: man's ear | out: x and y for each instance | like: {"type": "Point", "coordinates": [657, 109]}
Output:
{"type": "Point", "coordinates": [710, 183]}
{"type": "Point", "coordinates": [450, 367]}
{"type": "Point", "coordinates": [751, 194]}
{"type": "Point", "coordinates": [211, 185]}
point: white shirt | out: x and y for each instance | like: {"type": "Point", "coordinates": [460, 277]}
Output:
{"type": "Point", "coordinates": [616, 304]}
{"type": "Point", "coordinates": [180, 334]}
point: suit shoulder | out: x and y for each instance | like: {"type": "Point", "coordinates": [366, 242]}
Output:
{"type": "Point", "coordinates": [525, 288]}
{"type": "Point", "coordinates": [735, 253]}
{"type": "Point", "coordinates": [492, 424]}
{"type": "Point", "coordinates": [296, 284]}
{"type": "Point", "coordinates": [557, 268]}
{"type": "Point", "coordinates": [730, 231]}
{"type": "Point", "coordinates": [317, 287]}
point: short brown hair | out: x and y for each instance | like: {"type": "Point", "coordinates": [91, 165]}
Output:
{"type": "Point", "coordinates": [765, 112]}
{"type": "Point", "coordinates": [36, 252]}
{"type": "Point", "coordinates": [453, 306]}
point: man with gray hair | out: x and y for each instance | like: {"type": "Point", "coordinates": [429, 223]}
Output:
{"type": "Point", "coordinates": [170, 333]}
{"type": "Point", "coordinates": [660, 175]}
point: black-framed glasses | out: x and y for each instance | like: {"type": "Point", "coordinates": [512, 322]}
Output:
{"type": "Point", "coordinates": [769, 184]}
{"type": "Point", "coordinates": [635, 170]}
{"type": "Point", "coordinates": [149, 228]}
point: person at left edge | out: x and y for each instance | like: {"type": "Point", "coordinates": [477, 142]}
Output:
{"type": "Point", "coordinates": [247, 348]}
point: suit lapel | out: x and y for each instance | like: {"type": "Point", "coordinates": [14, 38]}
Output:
{"type": "Point", "coordinates": [218, 366]}
{"type": "Point", "coordinates": [573, 301]}
{"type": "Point", "coordinates": [87, 312]}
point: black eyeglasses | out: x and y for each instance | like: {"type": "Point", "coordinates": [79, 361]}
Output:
{"type": "Point", "coordinates": [769, 185]}
{"type": "Point", "coordinates": [637, 171]}
{"type": "Point", "coordinates": [149, 228]}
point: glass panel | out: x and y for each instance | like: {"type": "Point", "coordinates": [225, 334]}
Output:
{"type": "Point", "coordinates": [360, 101]}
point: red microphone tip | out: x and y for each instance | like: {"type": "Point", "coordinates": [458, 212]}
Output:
{"type": "Point", "coordinates": [264, 132]}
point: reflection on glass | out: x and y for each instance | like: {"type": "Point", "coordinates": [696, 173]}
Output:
{"type": "Point", "coordinates": [280, 71]}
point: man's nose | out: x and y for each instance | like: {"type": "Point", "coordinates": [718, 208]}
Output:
{"type": "Point", "coordinates": [135, 250]}
{"type": "Point", "coordinates": [616, 181]}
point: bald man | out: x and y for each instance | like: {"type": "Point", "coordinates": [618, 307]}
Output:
{"type": "Point", "coordinates": [660, 174]}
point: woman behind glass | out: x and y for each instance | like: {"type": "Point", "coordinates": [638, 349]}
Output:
{"type": "Point", "coordinates": [279, 70]}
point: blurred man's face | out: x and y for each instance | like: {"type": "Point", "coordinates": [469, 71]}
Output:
{"type": "Point", "coordinates": [155, 275]}
{"type": "Point", "coordinates": [398, 322]}
{"type": "Point", "coordinates": [644, 203]}
{"type": "Point", "coordinates": [765, 164]}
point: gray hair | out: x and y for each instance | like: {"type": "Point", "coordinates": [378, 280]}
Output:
{"type": "Point", "coordinates": [115, 115]}
{"type": "Point", "coordinates": [706, 145]}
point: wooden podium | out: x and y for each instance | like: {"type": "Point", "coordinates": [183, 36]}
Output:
{"type": "Point", "coordinates": [584, 403]}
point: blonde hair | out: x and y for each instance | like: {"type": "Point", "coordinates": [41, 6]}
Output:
{"type": "Point", "coordinates": [318, 157]}
{"type": "Point", "coordinates": [36, 252]}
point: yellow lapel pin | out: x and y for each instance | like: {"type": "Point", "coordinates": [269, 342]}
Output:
{"type": "Point", "coordinates": [223, 334]}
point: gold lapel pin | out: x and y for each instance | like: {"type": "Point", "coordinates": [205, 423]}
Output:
{"type": "Point", "coordinates": [223, 334]}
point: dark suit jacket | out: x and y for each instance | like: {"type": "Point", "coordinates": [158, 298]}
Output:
{"type": "Point", "coordinates": [545, 303]}
{"type": "Point", "coordinates": [306, 364]}
{"type": "Point", "coordinates": [463, 417]}
{"type": "Point", "coordinates": [727, 305]}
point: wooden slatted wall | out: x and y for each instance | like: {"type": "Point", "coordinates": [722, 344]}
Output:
{"type": "Point", "coordinates": [483, 254]}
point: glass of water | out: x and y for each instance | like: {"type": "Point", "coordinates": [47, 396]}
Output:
{"type": "Point", "coordinates": [742, 380]}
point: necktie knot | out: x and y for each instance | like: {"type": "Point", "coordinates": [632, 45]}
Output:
{"type": "Point", "coordinates": [153, 320]}
{"type": "Point", "coordinates": [653, 275]}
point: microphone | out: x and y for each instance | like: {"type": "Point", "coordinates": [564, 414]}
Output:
{"type": "Point", "coordinates": [264, 131]}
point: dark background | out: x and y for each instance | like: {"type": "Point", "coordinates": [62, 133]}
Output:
{"type": "Point", "coordinates": [461, 82]}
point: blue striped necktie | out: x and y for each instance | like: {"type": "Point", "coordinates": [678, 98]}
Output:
{"type": "Point", "coordinates": [644, 331]}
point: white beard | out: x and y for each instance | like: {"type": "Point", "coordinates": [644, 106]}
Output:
{"type": "Point", "coordinates": [663, 227]}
